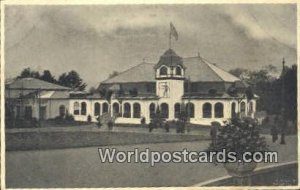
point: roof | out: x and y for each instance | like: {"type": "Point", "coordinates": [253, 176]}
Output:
{"type": "Point", "coordinates": [46, 94]}
{"type": "Point", "coordinates": [143, 72]}
{"type": "Point", "coordinates": [33, 83]}
{"type": "Point", "coordinates": [197, 68]}
{"type": "Point", "coordinates": [170, 59]}
{"type": "Point", "coordinates": [200, 70]}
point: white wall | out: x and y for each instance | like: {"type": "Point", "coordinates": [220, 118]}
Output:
{"type": "Point", "coordinates": [145, 112]}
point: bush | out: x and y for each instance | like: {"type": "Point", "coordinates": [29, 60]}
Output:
{"type": "Point", "coordinates": [89, 118]}
{"type": "Point", "coordinates": [143, 121]}
{"type": "Point", "coordinates": [110, 125]}
{"type": "Point", "coordinates": [69, 117]}
{"type": "Point", "coordinates": [240, 135]}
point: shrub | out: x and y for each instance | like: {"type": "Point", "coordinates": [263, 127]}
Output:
{"type": "Point", "coordinates": [89, 118]}
{"type": "Point", "coordinates": [110, 124]}
{"type": "Point", "coordinates": [69, 117]}
{"type": "Point", "coordinates": [240, 135]}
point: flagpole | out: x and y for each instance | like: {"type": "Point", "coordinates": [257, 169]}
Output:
{"type": "Point", "coordinates": [170, 39]}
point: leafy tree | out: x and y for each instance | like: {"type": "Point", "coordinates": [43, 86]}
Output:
{"type": "Point", "coordinates": [290, 92]}
{"type": "Point", "coordinates": [239, 72]}
{"type": "Point", "coordinates": [47, 76]}
{"type": "Point", "coordinates": [72, 80]}
{"type": "Point", "coordinates": [28, 73]}
{"type": "Point", "coordinates": [264, 83]}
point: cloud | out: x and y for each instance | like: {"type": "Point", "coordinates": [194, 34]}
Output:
{"type": "Point", "coordinates": [266, 22]}
{"type": "Point", "coordinates": [95, 40]}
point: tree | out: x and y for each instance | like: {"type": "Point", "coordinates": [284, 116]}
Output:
{"type": "Point", "coordinates": [72, 80]}
{"type": "Point", "coordinates": [239, 72]}
{"type": "Point", "coordinates": [47, 76]}
{"type": "Point", "coordinates": [28, 73]}
{"type": "Point", "coordinates": [290, 92]}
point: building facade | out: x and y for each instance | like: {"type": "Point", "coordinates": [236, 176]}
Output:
{"type": "Point", "coordinates": [28, 98]}
{"type": "Point", "coordinates": [206, 92]}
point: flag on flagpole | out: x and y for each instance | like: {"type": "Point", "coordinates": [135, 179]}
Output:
{"type": "Point", "coordinates": [173, 31]}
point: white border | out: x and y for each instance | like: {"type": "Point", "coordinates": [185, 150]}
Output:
{"type": "Point", "coordinates": [123, 2]}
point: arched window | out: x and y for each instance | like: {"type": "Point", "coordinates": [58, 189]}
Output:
{"type": "Point", "coordinates": [76, 108]}
{"type": "Point", "coordinates": [190, 110]}
{"type": "Point", "coordinates": [152, 110]}
{"type": "Point", "coordinates": [177, 110]}
{"type": "Point", "coordinates": [243, 108]}
{"type": "Point", "coordinates": [83, 108]}
{"type": "Point", "coordinates": [233, 109]}
{"type": "Point", "coordinates": [164, 110]}
{"type": "Point", "coordinates": [136, 110]}
{"type": "Point", "coordinates": [206, 109]}
{"type": "Point", "coordinates": [104, 107]}
{"type": "Point", "coordinates": [127, 110]}
{"type": "Point", "coordinates": [178, 71]}
{"type": "Point", "coordinates": [219, 110]}
{"type": "Point", "coordinates": [163, 71]}
{"type": "Point", "coordinates": [250, 107]}
{"type": "Point", "coordinates": [116, 109]}
{"type": "Point", "coordinates": [96, 109]}
{"type": "Point", "coordinates": [62, 111]}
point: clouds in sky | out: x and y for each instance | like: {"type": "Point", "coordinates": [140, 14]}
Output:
{"type": "Point", "coordinates": [96, 40]}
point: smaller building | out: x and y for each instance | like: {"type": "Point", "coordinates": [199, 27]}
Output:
{"type": "Point", "coordinates": [27, 98]}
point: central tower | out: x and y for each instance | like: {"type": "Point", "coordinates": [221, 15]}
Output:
{"type": "Point", "coordinates": [170, 75]}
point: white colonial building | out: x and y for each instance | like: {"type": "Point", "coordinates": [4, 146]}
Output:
{"type": "Point", "coordinates": [205, 91]}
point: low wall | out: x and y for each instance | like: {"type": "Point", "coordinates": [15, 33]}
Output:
{"type": "Point", "coordinates": [37, 140]}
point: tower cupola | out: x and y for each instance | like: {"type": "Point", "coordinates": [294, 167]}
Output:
{"type": "Point", "coordinates": [170, 65]}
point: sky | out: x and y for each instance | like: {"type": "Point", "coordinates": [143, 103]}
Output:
{"type": "Point", "coordinates": [97, 40]}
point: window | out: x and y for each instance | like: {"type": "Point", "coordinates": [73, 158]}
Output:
{"type": "Point", "coordinates": [178, 71]}
{"type": "Point", "coordinates": [177, 110]}
{"type": "Point", "coordinates": [194, 87]}
{"type": "Point", "coordinates": [116, 109]}
{"type": "Point", "coordinates": [136, 110]}
{"type": "Point", "coordinates": [233, 110]}
{"type": "Point", "coordinates": [219, 110]}
{"type": "Point", "coordinates": [127, 110]}
{"type": "Point", "coordinates": [163, 71]}
{"type": "Point", "coordinates": [243, 107]}
{"type": "Point", "coordinates": [76, 108]}
{"type": "Point", "coordinates": [96, 109]}
{"type": "Point", "coordinates": [28, 112]}
{"type": "Point", "coordinates": [133, 92]}
{"type": "Point", "coordinates": [212, 92]}
{"type": "Point", "coordinates": [150, 88]}
{"type": "Point", "coordinates": [164, 110]}
{"type": "Point", "coordinates": [206, 109]}
{"type": "Point", "coordinates": [152, 110]}
{"type": "Point", "coordinates": [190, 110]}
{"type": "Point", "coordinates": [250, 107]}
{"type": "Point", "coordinates": [104, 107]}
{"type": "Point", "coordinates": [62, 111]}
{"type": "Point", "coordinates": [83, 108]}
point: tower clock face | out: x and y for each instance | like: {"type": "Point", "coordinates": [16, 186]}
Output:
{"type": "Point", "coordinates": [164, 89]}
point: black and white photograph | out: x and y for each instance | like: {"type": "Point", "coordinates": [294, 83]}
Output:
{"type": "Point", "coordinates": [149, 95]}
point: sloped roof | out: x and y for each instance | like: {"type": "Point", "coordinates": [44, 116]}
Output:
{"type": "Point", "coordinates": [143, 72]}
{"type": "Point", "coordinates": [33, 83]}
{"type": "Point", "coordinates": [170, 59]}
{"type": "Point", "coordinates": [200, 70]}
{"type": "Point", "coordinates": [197, 68]}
